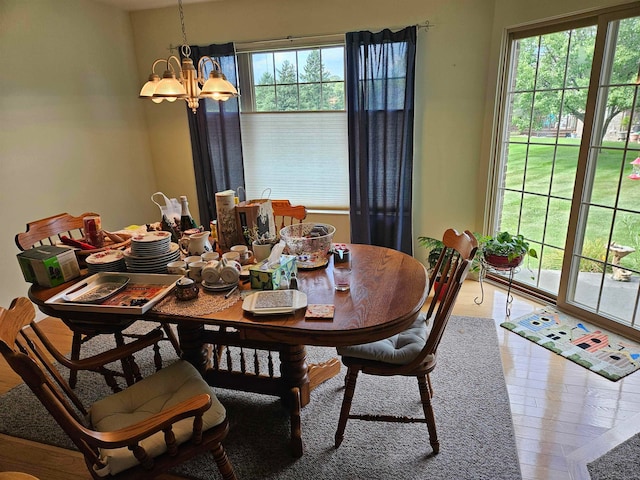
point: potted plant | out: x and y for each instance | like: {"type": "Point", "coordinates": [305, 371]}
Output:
{"type": "Point", "coordinates": [505, 251]}
{"type": "Point", "coordinates": [261, 245]}
{"type": "Point", "coordinates": [434, 248]}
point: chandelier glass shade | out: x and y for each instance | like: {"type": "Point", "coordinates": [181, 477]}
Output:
{"type": "Point", "coordinates": [182, 80]}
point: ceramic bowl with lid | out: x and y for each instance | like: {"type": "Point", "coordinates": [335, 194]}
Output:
{"type": "Point", "coordinates": [186, 289]}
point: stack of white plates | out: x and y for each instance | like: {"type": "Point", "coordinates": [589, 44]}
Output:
{"type": "Point", "coordinates": [150, 244]}
{"type": "Point", "coordinates": [106, 261]}
{"type": "Point", "coordinates": [150, 253]}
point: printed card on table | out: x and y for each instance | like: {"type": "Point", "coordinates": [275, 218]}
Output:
{"type": "Point", "coordinates": [319, 311]}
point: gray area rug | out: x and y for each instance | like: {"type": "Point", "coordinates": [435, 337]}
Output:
{"type": "Point", "coordinates": [621, 462]}
{"type": "Point", "coordinates": [471, 406]}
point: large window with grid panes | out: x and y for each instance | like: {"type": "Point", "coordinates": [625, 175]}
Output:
{"type": "Point", "coordinates": [294, 124]}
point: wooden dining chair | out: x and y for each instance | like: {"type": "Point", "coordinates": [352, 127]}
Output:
{"type": "Point", "coordinates": [49, 231]}
{"type": "Point", "coordinates": [412, 352]}
{"type": "Point", "coordinates": [138, 433]}
{"type": "Point", "coordinates": [285, 214]}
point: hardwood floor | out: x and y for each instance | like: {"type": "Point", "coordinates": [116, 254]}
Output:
{"type": "Point", "coordinates": [564, 416]}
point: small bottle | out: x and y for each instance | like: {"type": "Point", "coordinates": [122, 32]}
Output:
{"type": "Point", "coordinates": [215, 243]}
{"type": "Point", "coordinates": [293, 283]}
{"type": "Point", "coordinates": [186, 220]}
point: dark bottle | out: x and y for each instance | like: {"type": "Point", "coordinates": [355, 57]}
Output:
{"type": "Point", "coordinates": [293, 282]}
{"type": "Point", "coordinates": [186, 220]}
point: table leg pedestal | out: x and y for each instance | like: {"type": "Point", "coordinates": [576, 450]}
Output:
{"type": "Point", "coordinates": [193, 347]}
{"type": "Point", "coordinates": [293, 386]}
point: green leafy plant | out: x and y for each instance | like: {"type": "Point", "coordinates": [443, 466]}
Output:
{"type": "Point", "coordinates": [434, 249]}
{"type": "Point", "coordinates": [251, 236]}
{"type": "Point", "coordinates": [507, 245]}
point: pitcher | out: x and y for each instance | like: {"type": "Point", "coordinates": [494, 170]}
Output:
{"type": "Point", "coordinates": [196, 244]}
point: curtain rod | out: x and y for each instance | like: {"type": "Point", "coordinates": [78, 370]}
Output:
{"type": "Point", "coordinates": [243, 46]}
{"type": "Point", "coordinates": [247, 45]}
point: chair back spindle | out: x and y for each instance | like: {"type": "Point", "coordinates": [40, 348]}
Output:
{"type": "Point", "coordinates": [49, 231]}
{"type": "Point", "coordinates": [285, 214]}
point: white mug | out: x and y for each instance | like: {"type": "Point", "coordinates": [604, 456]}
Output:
{"type": "Point", "coordinates": [210, 256]}
{"type": "Point", "coordinates": [195, 270]}
{"type": "Point", "coordinates": [192, 258]}
{"type": "Point", "coordinates": [243, 251]}
{"type": "Point", "coordinates": [235, 256]}
{"type": "Point", "coordinates": [177, 268]}
{"type": "Point", "coordinates": [211, 272]}
{"type": "Point", "coordinates": [230, 273]}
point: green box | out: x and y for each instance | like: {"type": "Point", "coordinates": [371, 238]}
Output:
{"type": "Point", "coordinates": [269, 278]}
{"type": "Point", "coordinates": [49, 265]}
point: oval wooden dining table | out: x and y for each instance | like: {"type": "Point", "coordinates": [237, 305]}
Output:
{"type": "Point", "coordinates": [388, 289]}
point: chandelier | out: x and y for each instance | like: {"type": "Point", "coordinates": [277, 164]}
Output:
{"type": "Point", "coordinates": [186, 83]}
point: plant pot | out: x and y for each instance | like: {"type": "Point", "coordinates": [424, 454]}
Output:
{"type": "Point", "coordinates": [500, 262]}
{"type": "Point", "coordinates": [260, 252]}
{"type": "Point", "coordinates": [436, 286]}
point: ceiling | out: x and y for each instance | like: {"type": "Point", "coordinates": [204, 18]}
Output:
{"type": "Point", "coordinates": [131, 5]}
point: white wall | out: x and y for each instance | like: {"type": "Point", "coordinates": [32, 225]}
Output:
{"type": "Point", "coordinates": [72, 134]}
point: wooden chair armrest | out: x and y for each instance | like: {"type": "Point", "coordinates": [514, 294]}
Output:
{"type": "Point", "coordinates": [131, 435]}
{"type": "Point", "coordinates": [96, 361]}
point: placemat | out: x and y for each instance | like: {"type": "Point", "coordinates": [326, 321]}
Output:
{"type": "Point", "coordinates": [204, 303]}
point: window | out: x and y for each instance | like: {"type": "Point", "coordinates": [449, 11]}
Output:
{"type": "Point", "coordinates": [298, 80]}
{"type": "Point", "coordinates": [565, 176]}
{"type": "Point", "coordinates": [294, 125]}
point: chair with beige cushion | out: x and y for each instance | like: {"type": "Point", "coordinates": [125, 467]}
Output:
{"type": "Point", "coordinates": [412, 352]}
{"type": "Point", "coordinates": [138, 433]}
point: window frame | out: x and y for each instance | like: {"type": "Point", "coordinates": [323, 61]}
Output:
{"type": "Point", "coordinates": [247, 103]}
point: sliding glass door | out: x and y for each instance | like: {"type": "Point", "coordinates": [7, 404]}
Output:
{"type": "Point", "coordinates": [605, 264]}
{"type": "Point", "coordinates": [565, 175]}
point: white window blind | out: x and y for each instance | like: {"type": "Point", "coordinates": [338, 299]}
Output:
{"type": "Point", "coordinates": [300, 156]}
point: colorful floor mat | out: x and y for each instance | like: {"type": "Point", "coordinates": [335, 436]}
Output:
{"type": "Point", "coordinates": [602, 352]}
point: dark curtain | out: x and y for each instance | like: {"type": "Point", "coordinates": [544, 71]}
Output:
{"type": "Point", "coordinates": [215, 136]}
{"type": "Point", "coordinates": [380, 96]}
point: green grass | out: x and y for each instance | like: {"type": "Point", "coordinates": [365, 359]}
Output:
{"type": "Point", "coordinates": [611, 170]}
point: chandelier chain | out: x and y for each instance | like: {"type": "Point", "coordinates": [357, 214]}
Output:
{"type": "Point", "coordinates": [185, 48]}
{"type": "Point", "coordinates": [184, 30]}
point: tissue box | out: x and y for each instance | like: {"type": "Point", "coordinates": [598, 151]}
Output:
{"type": "Point", "coordinates": [270, 278]}
{"type": "Point", "coordinates": [49, 265]}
